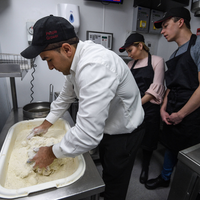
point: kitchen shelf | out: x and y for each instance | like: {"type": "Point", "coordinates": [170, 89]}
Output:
{"type": "Point", "coordinates": [12, 70]}
{"type": "Point", "coordinates": [13, 65]}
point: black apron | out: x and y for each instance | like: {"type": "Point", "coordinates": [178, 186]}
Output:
{"type": "Point", "coordinates": [182, 80]}
{"type": "Point", "coordinates": [144, 78]}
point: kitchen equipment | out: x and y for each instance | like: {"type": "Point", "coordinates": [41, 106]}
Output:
{"type": "Point", "coordinates": [103, 38]}
{"type": "Point", "coordinates": [6, 151]}
{"type": "Point", "coordinates": [13, 65]}
{"type": "Point", "coordinates": [186, 180]}
{"type": "Point", "coordinates": [160, 4]}
{"type": "Point", "coordinates": [141, 16]}
{"type": "Point", "coordinates": [50, 93]}
{"type": "Point", "coordinates": [36, 110]}
{"type": "Point", "coordinates": [195, 7]}
{"type": "Point", "coordinates": [155, 16]}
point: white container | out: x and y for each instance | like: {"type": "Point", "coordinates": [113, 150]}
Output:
{"type": "Point", "coordinates": [71, 13]}
{"type": "Point", "coordinates": [6, 152]}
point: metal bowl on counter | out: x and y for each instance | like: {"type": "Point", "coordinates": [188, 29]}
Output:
{"type": "Point", "coordinates": [38, 109]}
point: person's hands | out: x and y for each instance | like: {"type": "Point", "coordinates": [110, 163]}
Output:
{"type": "Point", "coordinates": [175, 118]}
{"type": "Point", "coordinates": [44, 157]}
{"type": "Point", "coordinates": [165, 117]}
{"type": "Point", "coordinates": [39, 130]}
{"type": "Point", "coordinates": [31, 154]}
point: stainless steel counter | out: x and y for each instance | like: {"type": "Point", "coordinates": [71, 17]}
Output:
{"type": "Point", "coordinates": [186, 180]}
{"type": "Point", "coordinates": [89, 185]}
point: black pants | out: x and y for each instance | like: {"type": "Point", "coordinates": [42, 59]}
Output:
{"type": "Point", "coordinates": [117, 155]}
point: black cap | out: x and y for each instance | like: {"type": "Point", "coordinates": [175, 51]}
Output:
{"type": "Point", "coordinates": [134, 37]}
{"type": "Point", "coordinates": [174, 12]}
{"type": "Point", "coordinates": [48, 30]}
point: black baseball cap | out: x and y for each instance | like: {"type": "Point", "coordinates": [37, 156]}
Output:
{"type": "Point", "coordinates": [174, 12]}
{"type": "Point", "coordinates": [48, 30]}
{"type": "Point", "coordinates": [134, 37]}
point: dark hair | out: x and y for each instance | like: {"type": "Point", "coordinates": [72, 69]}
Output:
{"type": "Point", "coordinates": [187, 23]}
{"type": "Point", "coordinates": [56, 46]}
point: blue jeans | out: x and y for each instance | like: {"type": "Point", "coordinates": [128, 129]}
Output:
{"type": "Point", "coordinates": [170, 160]}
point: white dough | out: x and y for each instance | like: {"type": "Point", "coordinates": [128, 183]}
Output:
{"type": "Point", "coordinates": [21, 174]}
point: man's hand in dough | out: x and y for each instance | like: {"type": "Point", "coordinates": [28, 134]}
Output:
{"type": "Point", "coordinates": [44, 157]}
{"type": "Point", "coordinates": [39, 130]}
{"type": "Point", "coordinates": [36, 131]}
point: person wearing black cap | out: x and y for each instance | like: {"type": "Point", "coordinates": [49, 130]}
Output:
{"type": "Point", "coordinates": [110, 113]}
{"type": "Point", "coordinates": [148, 71]}
{"type": "Point", "coordinates": [180, 110]}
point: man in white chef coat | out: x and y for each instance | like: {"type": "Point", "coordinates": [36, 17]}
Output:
{"type": "Point", "coordinates": [110, 112]}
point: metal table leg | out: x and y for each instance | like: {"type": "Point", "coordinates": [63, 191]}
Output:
{"type": "Point", "coordinates": [14, 93]}
{"type": "Point", "coordinates": [95, 197]}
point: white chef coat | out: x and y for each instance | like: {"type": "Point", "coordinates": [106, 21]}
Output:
{"type": "Point", "coordinates": [109, 99]}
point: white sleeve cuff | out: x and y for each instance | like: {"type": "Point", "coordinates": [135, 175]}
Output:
{"type": "Point", "coordinates": [52, 118]}
{"type": "Point", "coordinates": [57, 152]}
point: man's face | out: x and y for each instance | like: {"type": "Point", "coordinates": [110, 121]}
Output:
{"type": "Point", "coordinates": [57, 60]}
{"type": "Point", "coordinates": [170, 29]}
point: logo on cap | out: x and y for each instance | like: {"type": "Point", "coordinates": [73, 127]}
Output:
{"type": "Point", "coordinates": [51, 34]}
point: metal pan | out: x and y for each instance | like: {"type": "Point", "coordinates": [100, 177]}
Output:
{"type": "Point", "coordinates": [36, 110]}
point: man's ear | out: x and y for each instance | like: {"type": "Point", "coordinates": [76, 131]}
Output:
{"type": "Point", "coordinates": [181, 22]}
{"type": "Point", "coordinates": [67, 48]}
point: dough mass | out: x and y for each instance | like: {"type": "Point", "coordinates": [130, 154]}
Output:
{"type": "Point", "coordinates": [20, 174]}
